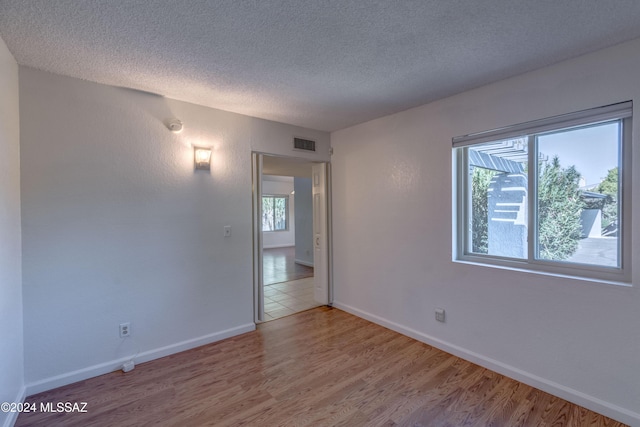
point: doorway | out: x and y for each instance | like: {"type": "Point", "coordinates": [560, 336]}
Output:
{"type": "Point", "coordinates": [291, 250]}
{"type": "Point", "coordinates": [289, 293]}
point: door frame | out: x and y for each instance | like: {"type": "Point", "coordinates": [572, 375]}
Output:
{"type": "Point", "coordinates": [258, 270]}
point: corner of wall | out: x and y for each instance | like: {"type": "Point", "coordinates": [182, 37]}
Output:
{"type": "Point", "coordinates": [11, 315]}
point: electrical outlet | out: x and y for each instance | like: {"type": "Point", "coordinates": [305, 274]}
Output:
{"type": "Point", "coordinates": [125, 330]}
{"type": "Point", "coordinates": [440, 314]}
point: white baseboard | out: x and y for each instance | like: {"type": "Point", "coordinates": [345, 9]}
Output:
{"type": "Point", "coordinates": [12, 417]}
{"type": "Point", "coordinates": [115, 365]}
{"type": "Point", "coordinates": [286, 245]}
{"type": "Point", "coordinates": [301, 262]}
{"type": "Point", "coordinates": [597, 405]}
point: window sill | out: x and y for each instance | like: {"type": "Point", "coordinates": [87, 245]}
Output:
{"type": "Point", "coordinates": [524, 269]}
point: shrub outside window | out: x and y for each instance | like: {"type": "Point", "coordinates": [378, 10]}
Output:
{"type": "Point", "coordinates": [550, 195]}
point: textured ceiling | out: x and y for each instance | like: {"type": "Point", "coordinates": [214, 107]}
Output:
{"type": "Point", "coordinates": [320, 64]}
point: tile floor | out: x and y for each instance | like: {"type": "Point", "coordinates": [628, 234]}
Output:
{"type": "Point", "coordinates": [283, 299]}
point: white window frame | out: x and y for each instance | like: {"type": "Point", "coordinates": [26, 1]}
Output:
{"type": "Point", "coordinates": [462, 253]}
{"type": "Point", "coordinates": [286, 215]}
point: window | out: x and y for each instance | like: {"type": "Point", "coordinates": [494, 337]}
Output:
{"type": "Point", "coordinates": [275, 213]}
{"type": "Point", "coordinates": [550, 195]}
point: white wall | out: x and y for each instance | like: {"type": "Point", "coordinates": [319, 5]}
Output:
{"type": "Point", "coordinates": [280, 186]}
{"type": "Point", "coordinates": [304, 221]}
{"type": "Point", "coordinates": [11, 349]}
{"type": "Point", "coordinates": [392, 219]}
{"type": "Point", "coordinates": [117, 226]}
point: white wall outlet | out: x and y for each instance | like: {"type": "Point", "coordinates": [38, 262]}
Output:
{"type": "Point", "coordinates": [227, 230]}
{"type": "Point", "coordinates": [440, 314]}
{"type": "Point", "coordinates": [125, 330]}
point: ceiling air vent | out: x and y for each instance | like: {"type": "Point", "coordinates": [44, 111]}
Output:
{"type": "Point", "coordinates": [304, 144]}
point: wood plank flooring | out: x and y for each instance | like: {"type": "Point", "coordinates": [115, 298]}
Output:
{"type": "Point", "coordinates": [278, 265]}
{"type": "Point", "coordinates": [321, 367]}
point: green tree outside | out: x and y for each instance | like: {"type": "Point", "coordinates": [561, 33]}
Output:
{"type": "Point", "coordinates": [609, 186]}
{"type": "Point", "coordinates": [480, 180]}
{"type": "Point", "coordinates": [559, 208]}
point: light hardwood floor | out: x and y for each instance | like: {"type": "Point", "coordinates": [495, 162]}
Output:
{"type": "Point", "coordinates": [279, 265]}
{"type": "Point", "coordinates": [321, 367]}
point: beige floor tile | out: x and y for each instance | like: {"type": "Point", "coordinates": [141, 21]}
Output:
{"type": "Point", "coordinates": [280, 297]}
{"type": "Point", "coordinates": [291, 304]}
{"type": "Point", "coordinates": [280, 286]}
{"type": "Point", "coordinates": [283, 299]}
{"type": "Point", "coordinates": [281, 313]}
{"type": "Point", "coordinates": [299, 292]}
{"type": "Point", "coordinates": [269, 292]}
{"type": "Point", "coordinates": [273, 306]}
{"type": "Point", "coordinates": [300, 306]}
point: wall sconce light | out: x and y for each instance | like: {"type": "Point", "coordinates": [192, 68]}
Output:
{"type": "Point", "coordinates": [202, 158]}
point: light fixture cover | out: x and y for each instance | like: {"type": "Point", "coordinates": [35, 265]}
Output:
{"type": "Point", "coordinates": [202, 158]}
{"type": "Point", "coordinates": [175, 125]}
